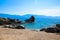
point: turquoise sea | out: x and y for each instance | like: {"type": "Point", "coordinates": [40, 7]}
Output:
{"type": "Point", "coordinates": [42, 23]}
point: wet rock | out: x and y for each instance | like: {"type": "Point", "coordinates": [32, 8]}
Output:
{"type": "Point", "coordinates": [30, 20]}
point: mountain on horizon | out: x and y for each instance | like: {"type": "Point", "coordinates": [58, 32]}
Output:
{"type": "Point", "coordinates": [25, 16]}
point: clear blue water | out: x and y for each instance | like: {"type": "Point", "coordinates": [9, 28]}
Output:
{"type": "Point", "coordinates": [41, 23]}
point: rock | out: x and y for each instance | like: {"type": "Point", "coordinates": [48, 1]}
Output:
{"type": "Point", "coordinates": [57, 30]}
{"type": "Point", "coordinates": [20, 27]}
{"type": "Point", "coordinates": [50, 30]}
{"type": "Point", "coordinates": [53, 29]}
{"type": "Point", "coordinates": [1, 23]}
{"type": "Point", "coordinates": [30, 20]}
{"type": "Point", "coordinates": [14, 27]}
{"type": "Point", "coordinates": [7, 26]}
{"type": "Point", "coordinates": [8, 21]}
{"type": "Point", "coordinates": [57, 25]}
{"type": "Point", "coordinates": [43, 29]}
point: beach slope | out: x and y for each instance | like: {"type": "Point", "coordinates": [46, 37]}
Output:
{"type": "Point", "coordinates": [22, 34]}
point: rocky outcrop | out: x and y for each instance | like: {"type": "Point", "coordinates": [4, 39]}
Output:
{"type": "Point", "coordinates": [57, 25]}
{"type": "Point", "coordinates": [20, 27]}
{"type": "Point", "coordinates": [30, 20]}
{"type": "Point", "coordinates": [51, 30]}
{"type": "Point", "coordinates": [9, 21]}
{"type": "Point", "coordinates": [14, 27]}
{"type": "Point", "coordinates": [43, 29]}
{"type": "Point", "coordinates": [55, 29]}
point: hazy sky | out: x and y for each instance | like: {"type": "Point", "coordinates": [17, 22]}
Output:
{"type": "Point", "coordinates": [39, 7]}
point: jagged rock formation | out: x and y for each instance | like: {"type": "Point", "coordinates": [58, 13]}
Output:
{"type": "Point", "coordinates": [30, 20]}
{"type": "Point", "coordinates": [8, 21]}
{"type": "Point", "coordinates": [13, 23]}
{"type": "Point", "coordinates": [52, 29]}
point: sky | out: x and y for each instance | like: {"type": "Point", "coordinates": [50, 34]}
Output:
{"type": "Point", "coordinates": [37, 7]}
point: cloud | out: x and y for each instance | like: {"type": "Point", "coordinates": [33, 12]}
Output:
{"type": "Point", "coordinates": [50, 12]}
{"type": "Point", "coordinates": [47, 12]}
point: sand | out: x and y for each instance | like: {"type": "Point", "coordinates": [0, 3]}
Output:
{"type": "Point", "coordinates": [19, 34]}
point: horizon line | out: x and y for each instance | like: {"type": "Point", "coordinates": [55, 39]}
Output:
{"type": "Point", "coordinates": [31, 14]}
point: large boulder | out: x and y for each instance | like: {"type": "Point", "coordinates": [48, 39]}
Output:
{"type": "Point", "coordinates": [30, 20]}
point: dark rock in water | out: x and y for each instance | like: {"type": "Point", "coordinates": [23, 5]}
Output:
{"type": "Point", "coordinates": [30, 20]}
{"type": "Point", "coordinates": [14, 21]}
{"type": "Point", "coordinates": [19, 27]}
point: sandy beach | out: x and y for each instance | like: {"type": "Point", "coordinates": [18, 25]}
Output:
{"type": "Point", "coordinates": [22, 34]}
